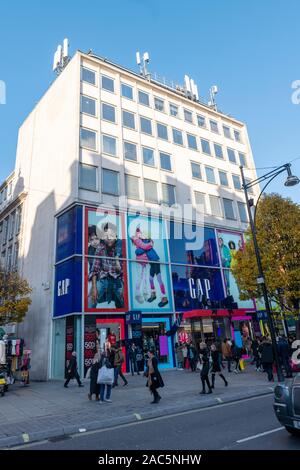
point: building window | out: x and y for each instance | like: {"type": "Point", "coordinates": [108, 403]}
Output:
{"type": "Point", "coordinates": [188, 116]}
{"type": "Point", "coordinates": [215, 206]}
{"type": "Point", "coordinates": [127, 91]}
{"type": "Point", "coordinates": [88, 138]}
{"type": "Point", "coordinates": [19, 213]}
{"type": "Point", "coordinates": [236, 182]}
{"type": "Point", "coordinates": [107, 83]}
{"type": "Point", "coordinates": [200, 201]}
{"type": "Point", "coordinates": [177, 137]}
{"type": "Point", "coordinates": [205, 146]}
{"type": "Point", "coordinates": [132, 187]}
{"type": "Point", "coordinates": [165, 161]}
{"type": "Point", "coordinates": [150, 188]}
{"type": "Point", "coordinates": [88, 105]}
{"type": "Point", "coordinates": [130, 152]}
{"type": "Point", "coordinates": [201, 121]}
{"type": "Point", "coordinates": [168, 194]}
{"type": "Point", "coordinates": [223, 178]}
{"type": "Point", "coordinates": [214, 126]}
{"type": "Point", "coordinates": [162, 131]}
{"type": "Point", "coordinates": [192, 142]}
{"type": "Point", "coordinates": [228, 209]}
{"type": "Point", "coordinates": [227, 132]}
{"type": "Point", "coordinates": [108, 112]}
{"type": "Point", "coordinates": [1, 233]}
{"type": "Point", "coordinates": [237, 135]}
{"type": "Point", "coordinates": [242, 212]}
{"type": "Point", "coordinates": [88, 177]}
{"type": "Point", "coordinates": [231, 155]}
{"type": "Point", "coordinates": [110, 182]}
{"type": "Point", "coordinates": [16, 257]}
{"type": "Point", "coordinates": [109, 145]}
{"type": "Point", "coordinates": [174, 110]}
{"type": "Point", "coordinates": [144, 98]}
{"type": "Point", "coordinates": [88, 76]}
{"type": "Point", "coordinates": [128, 119]}
{"type": "Point", "coordinates": [12, 220]}
{"type": "Point", "coordinates": [196, 170]}
{"type": "Point", "coordinates": [243, 161]}
{"type": "Point", "coordinates": [9, 259]}
{"type": "Point", "coordinates": [148, 156]}
{"type": "Point", "coordinates": [159, 104]}
{"type": "Point", "coordinates": [146, 125]}
{"type": "Point", "coordinates": [210, 175]}
{"type": "Point", "coordinates": [218, 151]}
{"type": "Point", "coordinates": [5, 230]}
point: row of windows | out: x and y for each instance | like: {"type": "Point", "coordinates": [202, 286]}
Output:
{"type": "Point", "coordinates": [219, 207]}
{"type": "Point", "coordinates": [10, 226]}
{"type": "Point", "coordinates": [159, 104]}
{"type": "Point", "coordinates": [211, 176]}
{"type": "Point", "coordinates": [5, 193]}
{"type": "Point", "coordinates": [88, 139]}
{"type": "Point", "coordinates": [9, 257]}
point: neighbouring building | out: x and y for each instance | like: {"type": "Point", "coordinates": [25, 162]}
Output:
{"type": "Point", "coordinates": [100, 265]}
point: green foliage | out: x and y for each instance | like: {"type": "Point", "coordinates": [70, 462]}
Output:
{"type": "Point", "coordinates": [14, 297]}
{"type": "Point", "coordinates": [278, 236]}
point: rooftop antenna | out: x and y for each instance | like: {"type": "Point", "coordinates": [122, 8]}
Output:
{"type": "Point", "coordinates": [61, 57]}
{"type": "Point", "coordinates": [142, 63]}
{"type": "Point", "coordinates": [213, 91]}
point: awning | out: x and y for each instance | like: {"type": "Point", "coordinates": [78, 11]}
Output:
{"type": "Point", "coordinates": [239, 312]}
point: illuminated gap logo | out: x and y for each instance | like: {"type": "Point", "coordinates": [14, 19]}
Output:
{"type": "Point", "coordinates": [2, 92]}
{"type": "Point", "coordinates": [63, 287]}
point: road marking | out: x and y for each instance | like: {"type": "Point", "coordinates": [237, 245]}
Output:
{"type": "Point", "coordinates": [259, 435]}
{"type": "Point", "coordinates": [25, 437]}
{"type": "Point", "coordinates": [219, 400]}
{"type": "Point", "coordinates": [138, 416]}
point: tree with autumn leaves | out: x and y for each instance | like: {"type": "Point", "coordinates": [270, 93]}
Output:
{"type": "Point", "coordinates": [278, 236]}
{"type": "Point", "coordinates": [14, 297]}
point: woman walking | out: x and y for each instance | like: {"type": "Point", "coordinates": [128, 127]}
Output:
{"type": "Point", "coordinates": [105, 383]}
{"type": "Point", "coordinates": [94, 386]}
{"type": "Point", "coordinates": [216, 368]}
{"type": "Point", "coordinates": [204, 357]}
{"type": "Point", "coordinates": [155, 380]}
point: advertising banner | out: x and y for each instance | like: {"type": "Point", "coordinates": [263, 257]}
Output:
{"type": "Point", "coordinates": [150, 284]}
{"type": "Point", "coordinates": [105, 269]}
{"type": "Point", "coordinates": [69, 233]}
{"type": "Point", "coordinates": [68, 287]}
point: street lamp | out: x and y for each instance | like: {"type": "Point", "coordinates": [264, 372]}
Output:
{"type": "Point", "coordinates": [290, 181]}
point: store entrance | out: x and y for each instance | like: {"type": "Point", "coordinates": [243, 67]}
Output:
{"type": "Point", "coordinates": [154, 337]}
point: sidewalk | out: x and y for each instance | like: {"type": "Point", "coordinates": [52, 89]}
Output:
{"type": "Point", "coordinates": [46, 409]}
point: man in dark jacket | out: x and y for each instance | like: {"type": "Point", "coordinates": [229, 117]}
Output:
{"type": "Point", "coordinates": [283, 350]}
{"type": "Point", "coordinates": [267, 358]}
{"type": "Point", "coordinates": [72, 371]}
{"type": "Point", "coordinates": [132, 359]}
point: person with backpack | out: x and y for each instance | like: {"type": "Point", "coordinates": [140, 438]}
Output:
{"type": "Point", "coordinates": [118, 361]}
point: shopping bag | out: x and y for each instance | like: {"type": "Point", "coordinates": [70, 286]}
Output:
{"type": "Point", "coordinates": [242, 364]}
{"type": "Point", "coordinates": [199, 366]}
{"type": "Point", "coordinates": [88, 374]}
{"type": "Point", "coordinates": [105, 376]}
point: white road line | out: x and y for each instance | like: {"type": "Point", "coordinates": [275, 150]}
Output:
{"type": "Point", "coordinates": [138, 416]}
{"type": "Point", "coordinates": [259, 435]}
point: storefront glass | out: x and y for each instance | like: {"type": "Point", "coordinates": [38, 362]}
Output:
{"type": "Point", "coordinates": [59, 348]}
{"type": "Point", "coordinates": [154, 336]}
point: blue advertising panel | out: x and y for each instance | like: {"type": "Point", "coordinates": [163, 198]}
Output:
{"type": "Point", "coordinates": [196, 288]}
{"type": "Point", "coordinates": [69, 233]}
{"type": "Point", "coordinates": [68, 287]}
{"type": "Point", "coordinates": [150, 283]}
{"type": "Point", "coordinates": [193, 245]}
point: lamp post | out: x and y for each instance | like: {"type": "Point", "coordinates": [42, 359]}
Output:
{"type": "Point", "coordinates": [290, 181]}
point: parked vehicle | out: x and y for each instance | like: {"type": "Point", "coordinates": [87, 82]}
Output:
{"type": "Point", "coordinates": [287, 404]}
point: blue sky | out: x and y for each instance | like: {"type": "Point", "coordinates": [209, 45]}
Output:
{"type": "Point", "coordinates": [250, 49]}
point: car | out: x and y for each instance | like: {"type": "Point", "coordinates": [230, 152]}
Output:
{"type": "Point", "coordinates": [287, 404]}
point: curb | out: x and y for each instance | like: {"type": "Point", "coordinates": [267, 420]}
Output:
{"type": "Point", "coordinates": [72, 429]}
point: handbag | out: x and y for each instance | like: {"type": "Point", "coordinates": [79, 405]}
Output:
{"type": "Point", "coordinates": [88, 374]}
{"type": "Point", "coordinates": [105, 376]}
{"type": "Point", "coordinates": [199, 366]}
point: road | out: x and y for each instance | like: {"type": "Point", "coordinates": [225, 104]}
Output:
{"type": "Point", "coordinates": [243, 425]}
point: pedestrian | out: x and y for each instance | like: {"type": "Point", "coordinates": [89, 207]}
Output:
{"type": "Point", "coordinates": [185, 358]}
{"type": "Point", "coordinates": [216, 368]}
{"type": "Point", "coordinates": [284, 356]}
{"type": "Point", "coordinates": [236, 353]}
{"type": "Point", "coordinates": [267, 358]}
{"type": "Point", "coordinates": [118, 361]}
{"type": "Point", "coordinates": [73, 371]}
{"type": "Point", "coordinates": [226, 352]}
{"type": "Point", "coordinates": [132, 359]}
{"type": "Point", "coordinates": [179, 356]}
{"type": "Point", "coordinates": [204, 357]}
{"type": "Point", "coordinates": [94, 386]}
{"type": "Point", "coordinates": [105, 383]}
{"type": "Point", "coordinates": [255, 354]}
{"type": "Point", "coordinates": [154, 379]}
{"type": "Point", "coordinates": [192, 357]}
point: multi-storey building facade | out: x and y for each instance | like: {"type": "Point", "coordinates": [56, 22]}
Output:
{"type": "Point", "coordinates": [96, 264]}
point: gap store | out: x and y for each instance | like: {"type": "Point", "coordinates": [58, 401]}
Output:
{"type": "Point", "coordinates": [127, 277]}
